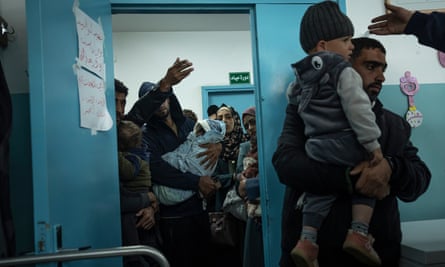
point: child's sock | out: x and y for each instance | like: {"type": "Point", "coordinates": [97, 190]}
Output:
{"type": "Point", "coordinates": [360, 227]}
{"type": "Point", "coordinates": [309, 234]}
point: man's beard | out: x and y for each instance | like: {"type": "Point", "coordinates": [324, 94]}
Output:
{"type": "Point", "coordinates": [372, 93]}
{"type": "Point", "coordinates": [162, 115]}
{"type": "Point", "coordinates": [372, 97]}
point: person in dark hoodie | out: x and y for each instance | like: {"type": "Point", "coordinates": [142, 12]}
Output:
{"type": "Point", "coordinates": [7, 234]}
{"type": "Point", "coordinates": [185, 226]}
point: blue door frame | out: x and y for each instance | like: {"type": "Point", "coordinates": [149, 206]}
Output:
{"type": "Point", "coordinates": [239, 96]}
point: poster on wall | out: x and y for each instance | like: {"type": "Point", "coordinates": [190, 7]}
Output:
{"type": "Point", "coordinates": [90, 42]}
{"type": "Point", "coordinates": [93, 108]}
{"type": "Point", "coordinates": [90, 71]}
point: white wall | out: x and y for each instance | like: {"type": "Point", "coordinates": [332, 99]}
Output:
{"type": "Point", "coordinates": [146, 56]}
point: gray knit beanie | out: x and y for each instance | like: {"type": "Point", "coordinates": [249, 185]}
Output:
{"type": "Point", "coordinates": [323, 21]}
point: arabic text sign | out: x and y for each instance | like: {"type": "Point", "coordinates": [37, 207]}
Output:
{"type": "Point", "coordinates": [239, 77]}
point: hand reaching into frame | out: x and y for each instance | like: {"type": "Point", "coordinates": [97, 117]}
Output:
{"type": "Point", "coordinates": [392, 23]}
{"type": "Point", "coordinates": [175, 74]}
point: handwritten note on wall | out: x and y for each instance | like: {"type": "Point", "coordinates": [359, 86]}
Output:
{"type": "Point", "coordinates": [91, 43]}
{"type": "Point", "coordinates": [90, 71]}
{"type": "Point", "coordinates": [93, 107]}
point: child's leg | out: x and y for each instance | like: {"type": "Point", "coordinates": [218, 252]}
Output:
{"type": "Point", "coordinates": [362, 209]}
{"type": "Point", "coordinates": [358, 242]}
{"type": "Point", "coordinates": [309, 233]}
{"type": "Point", "coordinates": [315, 210]}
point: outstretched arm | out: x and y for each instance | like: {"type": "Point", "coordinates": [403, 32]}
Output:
{"type": "Point", "coordinates": [175, 74]}
{"type": "Point", "coordinates": [147, 105]}
{"type": "Point", "coordinates": [428, 28]}
{"type": "Point", "coordinates": [391, 23]}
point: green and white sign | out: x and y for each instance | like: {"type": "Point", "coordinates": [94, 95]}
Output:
{"type": "Point", "coordinates": [239, 77]}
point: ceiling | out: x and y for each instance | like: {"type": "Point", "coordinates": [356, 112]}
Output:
{"type": "Point", "coordinates": [180, 22]}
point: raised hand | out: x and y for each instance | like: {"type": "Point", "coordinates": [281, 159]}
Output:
{"type": "Point", "coordinates": [175, 74]}
{"type": "Point", "coordinates": [391, 23]}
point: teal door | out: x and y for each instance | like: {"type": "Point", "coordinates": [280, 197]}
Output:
{"type": "Point", "coordinates": [240, 97]}
{"type": "Point", "coordinates": [278, 47]}
{"type": "Point", "coordinates": [75, 171]}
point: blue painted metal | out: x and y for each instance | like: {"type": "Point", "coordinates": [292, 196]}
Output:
{"type": "Point", "coordinates": [38, 120]}
{"type": "Point", "coordinates": [75, 173]}
{"type": "Point", "coordinates": [238, 96]}
{"type": "Point", "coordinates": [278, 47]}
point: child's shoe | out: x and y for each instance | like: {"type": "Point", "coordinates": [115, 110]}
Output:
{"type": "Point", "coordinates": [360, 246]}
{"type": "Point", "coordinates": [305, 254]}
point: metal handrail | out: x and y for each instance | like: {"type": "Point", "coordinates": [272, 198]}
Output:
{"type": "Point", "coordinates": [87, 254]}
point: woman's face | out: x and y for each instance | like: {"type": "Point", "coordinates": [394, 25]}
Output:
{"type": "Point", "coordinates": [226, 116]}
{"type": "Point", "coordinates": [249, 124]}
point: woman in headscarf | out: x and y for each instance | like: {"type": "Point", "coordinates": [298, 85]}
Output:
{"type": "Point", "coordinates": [227, 162]}
{"type": "Point", "coordinates": [224, 173]}
{"type": "Point", "coordinates": [248, 189]}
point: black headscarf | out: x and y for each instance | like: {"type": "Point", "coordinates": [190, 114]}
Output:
{"type": "Point", "coordinates": [233, 139]}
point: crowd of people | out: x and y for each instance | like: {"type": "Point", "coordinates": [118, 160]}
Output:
{"type": "Point", "coordinates": [344, 159]}
{"type": "Point", "coordinates": [174, 169]}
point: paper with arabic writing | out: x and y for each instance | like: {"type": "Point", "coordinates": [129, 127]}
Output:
{"type": "Point", "coordinates": [93, 106]}
{"type": "Point", "coordinates": [91, 43]}
{"type": "Point", "coordinates": [90, 71]}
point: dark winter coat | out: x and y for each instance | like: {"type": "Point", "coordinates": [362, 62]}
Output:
{"type": "Point", "coordinates": [410, 179]}
{"type": "Point", "coordinates": [7, 235]}
{"type": "Point", "coordinates": [428, 28]}
{"type": "Point", "coordinates": [160, 139]}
